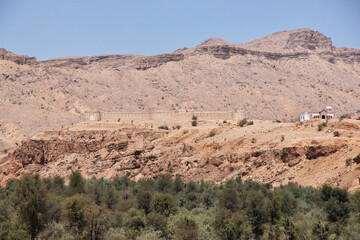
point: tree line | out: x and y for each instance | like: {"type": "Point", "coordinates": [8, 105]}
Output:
{"type": "Point", "coordinates": [165, 208]}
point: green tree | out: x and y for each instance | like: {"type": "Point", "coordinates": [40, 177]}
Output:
{"type": "Point", "coordinates": [30, 200]}
{"type": "Point", "coordinates": [321, 231]}
{"type": "Point", "coordinates": [256, 211]}
{"type": "Point", "coordinates": [12, 231]}
{"type": "Point", "coordinates": [229, 198]}
{"type": "Point", "coordinates": [144, 200]}
{"type": "Point", "coordinates": [77, 183]}
{"type": "Point", "coordinates": [74, 212]}
{"type": "Point", "coordinates": [228, 231]}
{"type": "Point", "coordinates": [186, 229]}
{"type": "Point", "coordinates": [157, 221]}
{"type": "Point", "coordinates": [164, 183]}
{"type": "Point", "coordinates": [164, 204]}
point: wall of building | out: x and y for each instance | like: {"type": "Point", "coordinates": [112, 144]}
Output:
{"type": "Point", "coordinates": [162, 116]}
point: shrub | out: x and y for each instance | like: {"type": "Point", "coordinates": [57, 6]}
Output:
{"type": "Point", "coordinates": [250, 123]}
{"type": "Point", "coordinates": [320, 127]}
{"type": "Point", "coordinates": [282, 138]}
{"type": "Point", "coordinates": [224, 121]}
{"type": "Point", "coordinates": [5, 150]}
{"type": "Point", "coordinates": [178, 127]}
{"type": "Point", "coordinates": [164, 127]}
{"type": "Point", "coordinates": [348, 161]}
{"type": "Point", "coordinates": [242, 122]}
{"type": "Point", "coordinates": [336, 134]}
{"type": "Point", "coordinates": [194, 121]}
{"type": "Point", "coordinates": [277, 121]}
{"type": "Point", "coordinates": [212, 133]}
{"type": "Point", "coordinates": [253, 140]}
{"type": "Point", "coordinates": [324, 124]}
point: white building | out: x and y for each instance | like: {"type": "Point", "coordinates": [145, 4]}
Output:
{"type": "Point", "coordinates": [325, 113]}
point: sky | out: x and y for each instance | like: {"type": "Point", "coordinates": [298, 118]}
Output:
{"type": "Point", "coordinates": [62, 28]}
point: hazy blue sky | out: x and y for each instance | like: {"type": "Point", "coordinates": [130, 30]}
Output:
{"type": "Point", "coordinates": [60, 28]}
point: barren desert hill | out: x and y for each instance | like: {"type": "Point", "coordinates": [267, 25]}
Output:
{"type": "Point", "coordinates": [275, 77]}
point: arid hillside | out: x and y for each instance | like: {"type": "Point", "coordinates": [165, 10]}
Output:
{"type": "Point", "coordinates": [275, 77]}
{"type": "Point", "coordinates": [267, 152]}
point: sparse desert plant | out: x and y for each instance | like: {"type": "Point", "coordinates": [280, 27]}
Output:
{"type": "Point", "coordinates": [341, 118]}
{"type": "Point", "coordinates": [5, 150]}
{"type": "Point", "coordinates": [194, 121]}
{"type": "Point", "coordinates": [336, 134]}
{"type": "Point", "coordinates": [250, 123]}
{"type": "Point", "coordinates": [224, 121]}
{"type": "Point", "coordinates": [164, 127]}
{"type": "Point", "coordinates": [178, 127]}
{"type": "Point", "coordinates": [348, 161]}
{"type": "Point", "coordinates": [118, 119]}
{"type": "Point", "coordinates": [320, 127]}
{"type": "Point", "coordinates": [253, 140]}
{"type": "Point", "coordinates": [324, 124]}
{"type": "Point", "coordinates": [212, 133]}
{"type": "Point", "coordinates": [277, 121]}
{"type": "Point", "coordinates": [282, 138]}
{"type": "Point", "coordinates": [242, 122]}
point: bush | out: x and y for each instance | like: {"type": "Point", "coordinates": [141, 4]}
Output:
{"type": "Point", "coordinates": [164, 127]}
{"type": "Point", "coordinates": [5, 150]}
{"type": "Point", "coordinates": [250, 123]}
{"type": "Point", "coordinates": [320, 127]}
{"type": "Point", "coordinates": [212, 133]}
{"type": "Point", "coordinates": [194, 121]}
{"type": "Point", "coordinates": [348, 161]}
{"type": "Point", "coordinates": [242, 122]}
{"type": "Point", "coordinates": [336, 134]}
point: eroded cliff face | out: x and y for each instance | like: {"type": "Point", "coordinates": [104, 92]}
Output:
{"type": "Point", "coordinates": [258, 152]}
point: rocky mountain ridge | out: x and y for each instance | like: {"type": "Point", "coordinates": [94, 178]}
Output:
{"type": "Point", "coordinates": [276, 77]}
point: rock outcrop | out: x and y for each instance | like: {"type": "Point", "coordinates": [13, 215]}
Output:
{"type": "Point", "coordinates": [193, 154]}
{"type": "Point", "coordinates": [6, 55]}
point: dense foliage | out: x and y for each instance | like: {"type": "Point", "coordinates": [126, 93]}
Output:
{"type": "Point", "coordinates": [166, 208]}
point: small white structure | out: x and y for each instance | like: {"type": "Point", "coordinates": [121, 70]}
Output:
{"type": "Point", "coordinates": [304, 116]}
{"type": "Point", "coordinates": [325, 113]}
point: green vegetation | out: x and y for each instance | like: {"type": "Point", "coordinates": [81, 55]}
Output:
{"type": "Point", "coordinates": [194, 121]}
{"type": "Point", "coordinates": [242, 122]}
{"type": "Point", "coordinates": [166, 208]}
{"type": "Point", "coordinates": [336, 134]}
{"type": "Point", "coordinates": [164, 127]}
{"type": "Point", "coordinates": [348, 161]}
{"type": "Point", "coordinates": [212, 133]}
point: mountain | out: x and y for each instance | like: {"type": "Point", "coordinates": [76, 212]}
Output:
{"type": "Point", "coordinates": [275, 77]}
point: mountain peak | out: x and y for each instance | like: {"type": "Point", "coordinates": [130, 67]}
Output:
{"type": "Point", "coordinates": [214, 41]}
{"type": "Point", "coordinates": [303, 39]}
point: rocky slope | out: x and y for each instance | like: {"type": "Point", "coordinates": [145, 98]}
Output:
{"type": "Point", "coordinates": [266, 152]}
{"type": "Point", "coordinates": [275, 77]}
